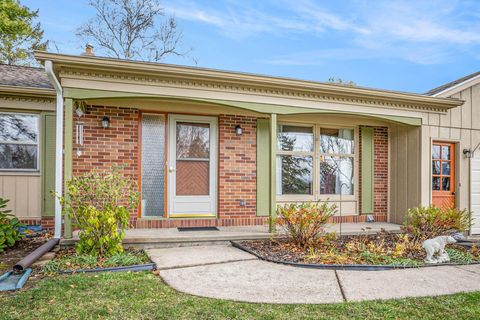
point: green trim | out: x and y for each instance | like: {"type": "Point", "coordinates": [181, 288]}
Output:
{"type": "Point", "coordinates": [91, 94]}
{"type": "Point", "coordinates": [273, 172]}
{"type": "Point", "coordinates": [68, 156]}
{"type": "Point", "coordinates": [48, 163]}
{"type": "Point", "coordinates": [263, 167]}
{"type": "Point", "coordinates": [367, 169]}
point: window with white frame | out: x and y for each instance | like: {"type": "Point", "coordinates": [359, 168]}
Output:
{"type": "Point", "coordinates": [295, 153]}
{"type": "Point", "coordinates": [19, 136]}
{"type": "Point", "coordinates": [301, 161]}
{"type": "Point", "coordinates": [337, 158]}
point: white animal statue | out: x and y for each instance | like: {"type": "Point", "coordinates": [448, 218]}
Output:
{"type": "Point", "coordinates": [436, 246]}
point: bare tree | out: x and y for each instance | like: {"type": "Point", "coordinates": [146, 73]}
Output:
{"type": "Point", "coordinates": [133, 29]}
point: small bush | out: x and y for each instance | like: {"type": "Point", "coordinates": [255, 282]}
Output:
{"type": "Point", "coordinates": [100, 204]}
{"type": "Point", "coordinates": [427, 222]}
{"type": "Point", "coordinates": [304, 222]}
{"type": "Point", "coordinates": [9, 227]}
{"type": "Point", "coordinates": [457, 256]}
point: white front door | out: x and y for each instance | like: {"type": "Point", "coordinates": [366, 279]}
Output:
{"type": "Point", "coordinates": [475, 192]}
{"type": "Point", "coordinates": [192, 166]}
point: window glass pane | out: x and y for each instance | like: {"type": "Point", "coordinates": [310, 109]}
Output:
{"type": "Point", "coordinates": [295, 138]}
{"type": "Point", "coordinates": [17, 156]}
{"type": "Point", "coordinates": [337, 141]}
{"type": "Point", "coordinates": [193, 140]}
{"type": "Point", "coordinates": [435, 183]}
{"type": "Point", "coordinates": [446, 184]}
{"type": "Point", "coordinates": [294, 175]}
{"type": "Point", "coordinates": [336, 175]}
{"type": "Point", "coordinates": [436, 167]}
{"type": "Point", "coordinates": [445, 152]}
{"type": "Point", "coordinates": [21, 128]}
{"type": "Point", "coordinates": [446, 168]}
{"type": "Point", "coordinates": [435, 152]}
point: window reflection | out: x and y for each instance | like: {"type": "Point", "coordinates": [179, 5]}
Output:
{"type": "Point", "coordinates": [193, 140]}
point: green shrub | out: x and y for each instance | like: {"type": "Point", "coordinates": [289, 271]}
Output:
{"type": "Point", "coordinates": [9, 227]}
{"type": "Point", "coordinates": [99, 204]}
{"type": "Point", "coordinates": [457, 256]}
{"type": "Point", "coordinates": [304, 222]}
{"type": "Point", "coordinates": [427, 222]}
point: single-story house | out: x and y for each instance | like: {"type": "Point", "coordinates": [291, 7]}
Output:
{"type": "Point", "coordinates": [217, 148]}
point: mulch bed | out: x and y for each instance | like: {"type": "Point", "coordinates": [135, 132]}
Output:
{"type": "Point", "coordinates": [332, 250]}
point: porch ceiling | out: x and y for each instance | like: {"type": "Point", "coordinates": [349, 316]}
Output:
{"type": "Point", "coordinates": [98, 96]}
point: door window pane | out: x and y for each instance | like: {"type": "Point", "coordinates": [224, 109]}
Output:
{"type": "Point", "coordinates": [337, 141]}
{"type": "Point", "coordinates": [294, 174]}
{"type": "Point", "coordinates": [435, 152]}
{"type": "Point", "coordinates": [445, 184]}
{"type": "Point", "coordinates": [436, 167]}
{"type": "Point", "coordinates": [192, 178]}
{"type": "Point", "coordinates": [295, 138]}
{"type": "Point", "coordinates": [435, 183]}
{"type": "Point", "coordinates": [445, 152]}
{"type": "Point", "coordinates": [446, 168]}
{"type": "Point", "coordinates": [336, 175]}
{"type": "Point", "coordinates": [193, 140]}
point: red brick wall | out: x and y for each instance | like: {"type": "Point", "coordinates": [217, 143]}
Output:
{"type": "Point", "coordinates": [380, 167]}
{"type": "Point", "coordinates": [104, 147]}
{"type": "Point", "coordinates": [237, 167]}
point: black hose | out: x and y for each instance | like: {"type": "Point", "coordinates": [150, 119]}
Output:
{"type": "Point", "coordinates": [35, 255]}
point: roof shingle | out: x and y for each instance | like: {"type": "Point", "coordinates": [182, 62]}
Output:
{"type": "Point", "coordinates": [451, 84]}
{"type": "Point", "coordinates": [19, 76]}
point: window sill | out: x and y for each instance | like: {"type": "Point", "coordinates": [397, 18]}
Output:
{"type": "Point", "coordinates": [19, 173]}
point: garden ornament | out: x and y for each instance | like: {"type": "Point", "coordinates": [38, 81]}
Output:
{"type": "Point", "coordinates": [437, 246]}
{"type": "Point", "coordinates": [458, 236]}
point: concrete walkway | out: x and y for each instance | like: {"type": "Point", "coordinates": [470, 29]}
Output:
{"type": "Point", "coordinates": [224, 272]}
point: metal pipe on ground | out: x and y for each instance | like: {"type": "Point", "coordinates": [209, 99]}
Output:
{"type": "Point", "coordinates": [35, 255]}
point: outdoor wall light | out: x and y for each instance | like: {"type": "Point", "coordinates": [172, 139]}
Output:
{"type": "Point", "coordinates": [238, 130]}
{"type": "Point", "coordinates": [467, 153]}
{"type": "Point", "coordinates": [105, 123]}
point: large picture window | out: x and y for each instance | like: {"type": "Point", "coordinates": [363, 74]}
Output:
{"type": "Point", "coordinates": [301, 162]}
{"type": "Point", "coordinates": [19, 135]}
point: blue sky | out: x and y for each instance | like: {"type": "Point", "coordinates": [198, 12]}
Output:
{"type": "Point", "coordinates": [398, 45]}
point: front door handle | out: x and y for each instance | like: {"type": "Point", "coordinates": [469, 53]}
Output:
{"type": "Point", "coordinates": [453, 193]}
{"type": "Point", "coordinates": [171, 169]}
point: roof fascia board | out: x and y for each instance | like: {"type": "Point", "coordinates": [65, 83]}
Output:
{"type": "Point", "coordinates": [145, 68]}
{"type": "Point", "coordinates": [458, 87]}
{"type": "Point", "coordinates": [27, 91]}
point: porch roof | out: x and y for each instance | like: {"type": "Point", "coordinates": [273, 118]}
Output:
{"type": "Point", "coordinates": [145, 78]}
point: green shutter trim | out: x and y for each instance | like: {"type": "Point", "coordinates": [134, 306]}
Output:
{"type": "Point", "coordinates": [48, 164]}
{"type": "Point", "coordinates": [263, 167]}
{"type": "Point", "coordinates": [367, 170]}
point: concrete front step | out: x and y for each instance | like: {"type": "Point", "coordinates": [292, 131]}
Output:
{"type": "Point", "coordinates": [172, 237]}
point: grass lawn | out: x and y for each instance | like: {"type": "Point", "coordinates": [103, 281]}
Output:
{"type": "Point", "coordinates": [144, 296]}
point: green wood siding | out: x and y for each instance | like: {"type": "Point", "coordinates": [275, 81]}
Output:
{"type": "Point", "coordinates": [263, 167]}
{"type": "Point", "coordinates": [367, 170]}
{"type": "Point", "coordinates": [48, 164]}
{"type": "Point", "coordinates": [273, 172]}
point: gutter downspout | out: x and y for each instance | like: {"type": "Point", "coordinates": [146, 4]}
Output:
{"type": "Point", "coordinates": [58, 147]}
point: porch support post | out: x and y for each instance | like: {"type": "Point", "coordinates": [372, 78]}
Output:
{"type": "Point", "coordinates": [68, 143]}
{"type": "Point", "coordinates": [273, 172]}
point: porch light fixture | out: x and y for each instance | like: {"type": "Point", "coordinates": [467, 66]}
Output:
{"type": "Point", "coordinates": [238, 130]}
{"type": "Point", "coordinates": [467, 153]}
{"type": "Point", "coordinates": [105, 123]}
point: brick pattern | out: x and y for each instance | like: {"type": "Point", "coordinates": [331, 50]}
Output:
{"type": "Point", "coordinates": [237, 167]}
{"type": "Point", "coordinates": [380, 167]}
{"type": "Point", "coordinates": [47, 223]}
{"type": "Point", "coordinates": [104, 147]}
